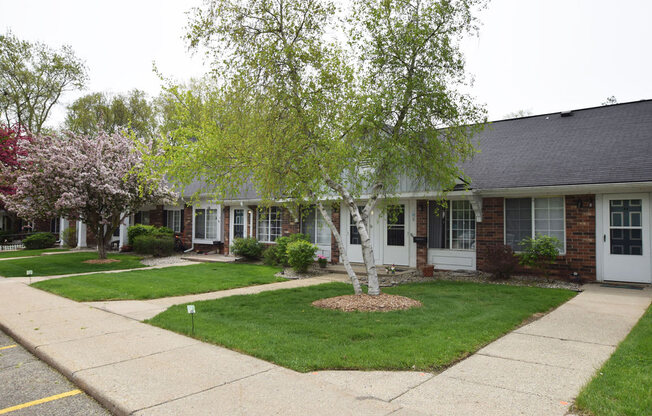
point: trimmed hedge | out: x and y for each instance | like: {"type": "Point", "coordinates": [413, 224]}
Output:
{"type": "Point", "coordinates": [39, 241]}
{"type": "Point", "coordinates": [157, 245]}
{"type": "Point", "coordinates": [140, 229]}
{"type": "Point", "coordinates": [301, 254]}
{"type": "Point", "coordinates": [249, 248]}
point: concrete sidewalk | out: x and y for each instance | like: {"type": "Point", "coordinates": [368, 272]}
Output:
{"type": "Point", "coordinates": [536, 370]}
{"type": "Point", "coordinates": [146, 309]}
{"type": "Point", "coordinates": [133, 368]}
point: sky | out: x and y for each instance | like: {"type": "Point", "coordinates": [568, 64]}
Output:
{"type": "Point", "coordinates": [535, 55]}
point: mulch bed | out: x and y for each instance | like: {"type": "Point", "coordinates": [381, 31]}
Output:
{"type": "Point", "coordinates": [101, 261]}
{"type": "Point", "coordinates": [367, 303]}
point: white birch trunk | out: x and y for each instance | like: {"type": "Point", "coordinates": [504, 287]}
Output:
{"type": "Point", "coordinates": [345, 258]}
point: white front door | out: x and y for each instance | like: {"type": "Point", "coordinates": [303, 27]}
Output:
{"type": "Point", "coordinates": [626, 238]}
{"type": "Point", "coordinates": [354, 250]}
{"type": "Point", "coordinates": [239, 223]}
{"type": "Point", "coordinates": [395, 249]}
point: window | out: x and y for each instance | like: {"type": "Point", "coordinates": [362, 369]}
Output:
{"type": "Point", "coordinates": [269, 224]}
{"type": "Point", "coordinates": [462, 225]}
{"type": "Point", "coordinates": [354, 234]}
{"type": "Point", "coordinates": [314, 225]}
{"type": "Point", "coordinates": [238, 223]}
{"type": "Point", "coordinates": [173, 220]}
{"type": "Point", "coordinates": [141, 217]}
{"type": "Point", "coordinates": [206, 224]}
{"type": "Point", "coordinates": [55, 225]}
{"type": "Point", "coordinates": [529, 217]}
{"type": "Point", "coordinates": [625, 227]}
{"type": "Point", "coordinates": [451, 227]}
{"type": "Point", "coordinates": [396, 225]}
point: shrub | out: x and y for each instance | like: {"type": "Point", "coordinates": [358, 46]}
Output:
{"type": "Point", "coordinates": [69, 237]}
{"type": "Point", "coordinates": [156, 245]}
{"type": "Point", "coordinates": [501, 261]}
{"type": "Point", "coordinates": [301, 255]}
{"type": "Point", "coordinates": [249, 248]}
{"type": "Point", "coordinates": [282, 244]}
{"type": "Point", "coordinates": [540, 252]}
{"type": "Point", "coordinates": [270, 255]}
{"type": "Point", "coordinates": [140, 229]}
{"type": "Point", "coordinates": [39, 240]}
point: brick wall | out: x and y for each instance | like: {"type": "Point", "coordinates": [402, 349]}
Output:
{"type": "Point", "coordinates": [186, 233]}
{"type": "Point", "coordinates": [422, 231]}
{"type": "Point", "coordinates": [156, 216]}
{"type": "Point", "coordinates": [226, 222]}
{"type": "Point", "coordinates": [580, 236]}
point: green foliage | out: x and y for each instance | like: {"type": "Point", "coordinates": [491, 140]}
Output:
{"type": "Point", "coordinates": [39, 240]}
{"type": "Point", "coordinates": [160, 283]}
{"type": "Point", "coordinates": [301, 254]}
{"type": "Point", "coordinates": [249, 248]}
{"type": "Point", "coordinates": [540, 252]}
{"type": "Point", "coordinates": [32, 78]}
{"type": "Point", "coordinates": [149, 230]}
{"type": "Point", "coordinates": [157, 244]}
{"type": "Point", "coordinates": [270, 255]}
{"type": "Point", "coordinates": [282, 244]}
{"type": "Point", "coordinates": [456, 319]}
{"type": "Point", "coordinates": [70, 237]}
{"type": "Point", "coordinates": [99, 111]}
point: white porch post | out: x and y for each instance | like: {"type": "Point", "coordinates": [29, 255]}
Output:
{"type": "Point", "coordinates": [63, 225]}
{"type": "Point", "coordinates": [81, 235]}
{"type": "Point", "coordinates": [123, 232]}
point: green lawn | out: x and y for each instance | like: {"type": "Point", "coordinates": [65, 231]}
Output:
{"type": "Point", "coordinates": [623, 386]}
{"type": "Point", "coordinates": [283, 327]}
{"type": "Point", "coordinates": [65, 264]}
{"type": "Point", "coordinates": [28, 253]}
{"type": "Point", "coordinates": [159, 283]}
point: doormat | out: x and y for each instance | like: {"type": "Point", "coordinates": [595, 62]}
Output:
{"type": "Point", "coordinates": [619, 286]}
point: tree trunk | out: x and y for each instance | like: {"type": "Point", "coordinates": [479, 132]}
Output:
{"type": "Point", "coordinates": [367, 250]}
{"type": "Point", "coordinates": [345, 258]}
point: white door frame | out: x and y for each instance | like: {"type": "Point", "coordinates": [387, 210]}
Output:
{"type": "Point", "coordinates": [626, 268]}
{"type": "Point", "coordinates": [245, 219]}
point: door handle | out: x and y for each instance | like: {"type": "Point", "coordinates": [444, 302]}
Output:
{"type": "Point", "coordinates": [604, 237]}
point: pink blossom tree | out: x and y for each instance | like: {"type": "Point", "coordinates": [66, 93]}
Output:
{"type": "Point", "coordinates": [97, 179]}
{"type": "Point", "coordinates": [12, 147]}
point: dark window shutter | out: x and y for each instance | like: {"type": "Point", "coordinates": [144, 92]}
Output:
{"type": "Point", "coordinates": [165, 218]}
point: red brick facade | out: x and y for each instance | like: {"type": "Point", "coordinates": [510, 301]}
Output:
{"type": "Point", "coordinates": [580, 236]}
{"type": "Point", "coordinates": [335, 249]}
{"type": "Point", "coordinates": [422, 231]}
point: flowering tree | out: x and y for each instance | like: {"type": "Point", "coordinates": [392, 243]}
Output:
{"type": "Point", "coordinates": [97, 179]}
{"type": "Point", "coordinates": [12, 146]}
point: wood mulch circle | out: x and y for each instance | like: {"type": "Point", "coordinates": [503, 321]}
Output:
{"type": "Point", "coordinates": [100, 261]}
{"type": "Point", "coordinates": [367, 303]}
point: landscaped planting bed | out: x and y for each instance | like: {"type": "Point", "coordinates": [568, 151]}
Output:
{"type": "Point", "coordinates": [66, 264]}
{"type": "Point", "coordinates": [456, 319]}
{"type": "Point", "coordinates": [159, 283]}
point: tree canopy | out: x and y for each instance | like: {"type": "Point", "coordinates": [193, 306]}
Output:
{"type": "Point", "coordinates": [97, 179]}
{"type": "Point", "coordinates": [32, 79]}
{"type": "Point", "coordinates": [102, 112]}
{"type": "Point", "coordinates": [306, 116]}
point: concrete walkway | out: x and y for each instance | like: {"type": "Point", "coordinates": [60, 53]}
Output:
{"type": "Point", "coordinates": [133, 368]}
{"type": "Point", "coordinates": [146, 309]}
{"type": "Point", "coordinates": [536, 370]}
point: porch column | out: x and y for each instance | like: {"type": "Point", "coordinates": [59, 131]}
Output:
{"type": "Point", "coordinates": [123, 232]}
{"type": "Point", "coordinates": [63, 225]}
{"type": "Point", "coordinates": [81, 235]}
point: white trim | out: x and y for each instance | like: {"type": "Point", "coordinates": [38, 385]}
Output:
{"type": "Point", "coordinates": [218, 226]}
{"type": "Point", "coordinates": [559, 190]}
{"type": "Point", "coordinates": [269, 225]}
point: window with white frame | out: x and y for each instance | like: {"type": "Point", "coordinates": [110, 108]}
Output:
{"type": "Point", "coordinates": [529, 217]}
{"type": "Point", "coordinates": [269, 224]}
{"type": "Point", "coordinates": [452, 226]}
{"type": "Point", "coordinates": [314, 225]}
{"type": "Point", "coordinates": [173, 220]}
{"type": "Point", "coordinates": [206, 224]}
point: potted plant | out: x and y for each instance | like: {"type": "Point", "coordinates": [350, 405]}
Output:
{"type": "Point", "coordinates": [322, 261]}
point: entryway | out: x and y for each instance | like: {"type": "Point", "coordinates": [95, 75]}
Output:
{"type": "Point", "coordinates": [626, 238]}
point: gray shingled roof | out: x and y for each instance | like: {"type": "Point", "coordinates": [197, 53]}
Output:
{"type": "Point", "coordinates": [607, 144]}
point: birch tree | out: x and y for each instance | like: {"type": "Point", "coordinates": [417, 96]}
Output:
{"type": "Point", "coordinates": [314, 104]}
